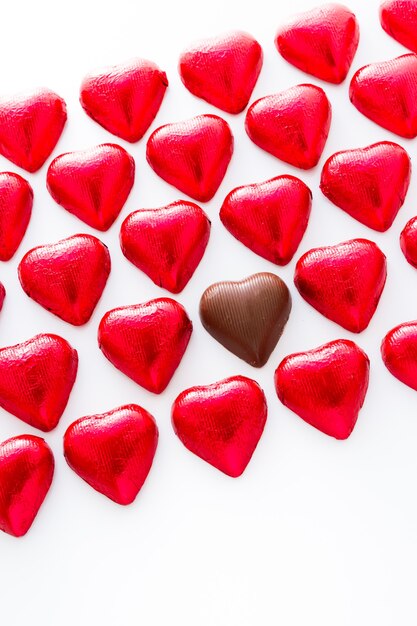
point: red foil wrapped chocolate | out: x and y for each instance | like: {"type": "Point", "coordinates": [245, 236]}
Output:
{"type": "Point", "coordinates": [113, 452]}
{"type": "Point", "coordinates": [399, 353]}
{"type": "Point", "coordinates": [408, 241]}
{"type": "Point", "coordinates": [16, 200]}
{"type": "Point", "coordinates": [222, 423]}
{"type": "Point", "coordinates": [326, 386]}
{"type": "Point", "coordinates": [399, 19]}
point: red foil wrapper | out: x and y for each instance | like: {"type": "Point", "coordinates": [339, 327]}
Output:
{"type": "Point", "coordinates": [399, 353]}
{"type": "Point", "coordinates": [16, 200]}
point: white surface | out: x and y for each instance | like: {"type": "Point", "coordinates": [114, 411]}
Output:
{"type": "Point", "coordinates": [316, 532]}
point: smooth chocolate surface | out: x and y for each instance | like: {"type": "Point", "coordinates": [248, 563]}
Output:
{"type": "Point", "coordinates": [247, 317]}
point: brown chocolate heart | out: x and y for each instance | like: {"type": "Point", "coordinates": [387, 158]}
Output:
{"type": "Point", "coordinates": [247, 317]}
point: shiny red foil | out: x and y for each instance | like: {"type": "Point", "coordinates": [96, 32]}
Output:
{"type": "Point", "coordinates": [166, 243]}
{"type": "Point", "coordinates": [16, 200]}
{"type": "Point", "coordinates": [270, 217]}
{"type": "Point", "coordinates": [222, 423]}
{"type": "Point", "coordinates": [92, 184]}
{"type": "Point", "coordinates": [30, 125]}
{"type": "Point", "coordinates": [223, 70]}
{"type": "Point", "coordinates": [293, 125]}
{"type": "Point", "coordinates": [321, 42]}
{"type": "Point", "coordinates": [36, 378]}
{"type": "Point", "coordinates": [326, 386]}
{"type": "Point", "coordinates": [369, 183]}
{"type": "Point", "coordinates": [113, 451]}
{"type": "Point", "coordinates": [386, 93]}
{"type": "Point", "coordinates": [146, 341]}
{"type": "Point", "coordinates": [26, 472]}
{"type": "Point", "coordinates": [399, 19]}
{"type": "Point", "coordinates": [408, 241]}
{"type": "Point", "coordinates": [192, 155]}
{"type": "Point", "coordinates": [67, 277]}
{"type": "Point", "coordinates": [2, 295]}
{"type": "Point", "coordinates": [125, 98]}
{"type": "Point", "coordinates": [399, 353]}
{"type": "Point", "coordinates": [343, 282]}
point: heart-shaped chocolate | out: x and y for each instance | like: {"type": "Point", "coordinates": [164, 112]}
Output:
{"type": "Point", "coordinates": [222, 423]}
{"type": "Point", "coordinates": [321, 42]}
{"type": "Point", "coordinates": [166, 243]}
{"type": "Point", "coordinates": [343, 282]}
{"type": "Point", "coordinates": [399, 19]}
{"type": "Point", "coordinates": [326, 386]}
{"type": "Point", "coordinates": [293, 125]}
{"type": "Point", "coordinates": [67, 277]}
{"type": "Point", "coordinates": [223, 70]}
{"type": "Point", "coordinates": [30, 125]}
{"type": "Point", "coordinates": [368, 183]}
{"type": "Point", "coordinates": [386, 93]}
{"type": "Point", "coordinates": [269, 217]}
{"type": "Point", "coordinates": [16, 200]}
{"type": "Point", "coordinates": [399, 353]}
{"type": "Point", "coordinates": [36, 378]}
{"type": "Point", "coordinates": [408, 241]}
{"type": "Point", "coordinates": [113, 451]}
{"type": "Point", "coordinates": [192, 155]}
{"type": "Point", "coordinates": [124, 98]}
{"type": "Point", "coordinates": [92, 184]}
{"type": "Point", "coordinates": [146, 341]}
{"type": "Point", "coordinates": [26, 472]}
{"type": "Point", "coordinates": [247, 317]}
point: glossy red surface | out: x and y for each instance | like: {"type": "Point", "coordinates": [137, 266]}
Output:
{"type": "Point", "coordinates": [166, 243]}
{"type": "Point", "coordinates": [408, 241]}
{"type": "Point", "coordinates": [36, 378]}
{"type": "Point", "coordinates": [30, 125]}
{"type": "Point", "coordinates": [146, 341]}
{"type": "Point", "coordinates": [399, 19]}
{"type": "Point", "coordinates": [387, 94]}
{"type": "Point", "coordinates": [321, 42]}
{"type": "Point", "coordinates": [67, 277]}
{"type": "Point", "coordinates": [399, 353]}
{"type": "Point", "coordinates": [124, 98]}
{"type": "Point", "coordinates": [343, 282]}
{"type": "Point", "coordinates": [368, 183]}
{"type": "Point", "coordinates": [326, 387]}
{"type": "Point", "coordinates": [113, 451]}
{"type": "Point", "coordinates": [2, 295]}
{"type": "Point", "coordinates": [93, 184]}
{"type": "Point", "coordinates": [269, 217]}
{"type": "Point", "coordinates": [16, 200]}
{"type": "Point", "coordinates": [223, 70]}
{"type": "Point", "coordinates": [222, 423]}
{"type": "Point", "coordinates": [192, 155]}
{"type": "Point", "coordinates": [26, 472]}
{"type": "Point", "coordinates": [293, 125]}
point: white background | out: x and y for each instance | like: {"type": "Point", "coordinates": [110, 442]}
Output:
{"type": "Point", "coordinates": [316, 532]}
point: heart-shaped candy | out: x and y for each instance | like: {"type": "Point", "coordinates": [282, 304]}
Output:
{"type": "Point", "coordinates": [222, 423]}
{"type": "Point", "coordinates": [293, 125]}
{"type": "Point", "coordinates": [192, 155]}
{"type": "Point", "coordinates": [399, 353]}
{"type": "Point", "coordinates": [408, 241]}
{"type": "Point", "coordinates": [343, 282]}
{"type": "Point", "coordinates": [92, 184]}
{"type": "Point", "coordinates": [16, 200]}
{"type": "Point", "coordinates": [326, 387]}
{"type": "Point", "coordinates": [386, 93]}
{"type": "Point", "coordinates": [269, 217]}
{"type": "Point", "coordinates": [368, 183]}
{"type": "Point", "coordinates": [36, 378]}
{"type": "Point", "coordinates": [247, 317]}
{"type": "Point", "coordinates": [26, 472]}
{"type": "Point", "coordinates": [125, 98]}
{"type": "Point", "coordinates": [67, 277]}
{"type": "Point", "coordinates": [30, 126]}
{"type": "Point", "coordinates": [166, 243]}
{"type": "Point", "coordinates": [223, 70]}
{"type": "Point", "coordinates": [146, 341]}
{"type": "Point", "coordinates": [113, 452]}
{"type": "Point", "coordinates": [399, 19]}
{"type": "Point", "coordinates": [321, 42]}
